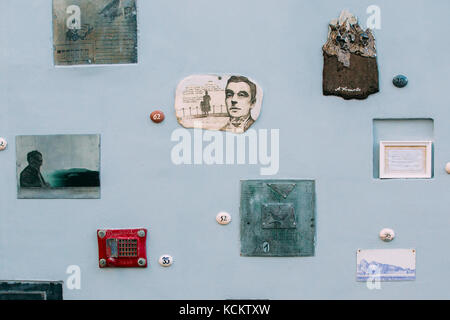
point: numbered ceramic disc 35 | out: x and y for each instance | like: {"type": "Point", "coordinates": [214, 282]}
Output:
{"type": "Point", "coordinates": [165, 260]}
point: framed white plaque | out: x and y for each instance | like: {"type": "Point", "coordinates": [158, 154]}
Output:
{"type": "Point", "coordinates": [405, 159]}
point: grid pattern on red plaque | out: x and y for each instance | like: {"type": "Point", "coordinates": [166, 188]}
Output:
{"type": "Point", "coordinates": [128, 248]}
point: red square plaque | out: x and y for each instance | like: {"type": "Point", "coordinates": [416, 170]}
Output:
{"type": "Point", "coordinates": [122, 248]}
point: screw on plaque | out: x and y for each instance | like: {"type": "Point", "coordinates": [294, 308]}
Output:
{"type": "Point", "coordinates": [400, 81]}
{"type": "Point", "coordinates": [102, 233]}
{"type": "Point", "coordinates": [141, 233]}
{"type": "Point", "coordinates": [142, 262]}
{"type": "Point", "coordinates": [102, 262]}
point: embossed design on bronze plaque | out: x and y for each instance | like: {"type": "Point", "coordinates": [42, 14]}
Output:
{"type": "Point", "coordinates": [277, 218]}
{"type": "Point", "coordinates": [283, 189]}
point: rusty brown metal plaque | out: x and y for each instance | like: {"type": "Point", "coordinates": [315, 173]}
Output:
{"type": "Point", "coordinates": [350, 67]}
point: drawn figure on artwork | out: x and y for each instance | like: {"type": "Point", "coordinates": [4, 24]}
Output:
{"type": "Point", "coordinates": [205, 104]}
{"type": "Point", "coordinates": [112, 9]}
{"type": "Point", "coordinates": [118, 8]}
{"type": "Point", "coordinates": [31, 176]}
{"type": "Point", "coordinates": [240, 98]}
{"type": "Point", "coordinates": [75, 35]}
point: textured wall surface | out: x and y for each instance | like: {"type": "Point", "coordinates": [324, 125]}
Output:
{"type": "Point", "coordinates": [328, 139]}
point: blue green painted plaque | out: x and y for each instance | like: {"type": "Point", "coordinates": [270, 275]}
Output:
{"type": "Point", "coordinates": [277, 218]}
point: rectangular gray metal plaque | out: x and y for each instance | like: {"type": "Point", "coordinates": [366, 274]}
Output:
{"type": "Point", "coordinates": [58, 166]}
{"type": "Point", "coordinates": [277, 218]}
{"type": "Point", "coordinates": [31, 290]}
{"type": "Point", "coordinates": [87, 32]}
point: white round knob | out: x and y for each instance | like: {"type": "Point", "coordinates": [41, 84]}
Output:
{"type": "Point", "coordinates": [387, 235]}
{"type": "Point", "coordinates": [3, 144]}
{"type": "Point", "coordinates": [447, 168]}
{"type": "Point", "coordinates": [223, 218]}
{"type": "Point", "coordinates": [165, 260]}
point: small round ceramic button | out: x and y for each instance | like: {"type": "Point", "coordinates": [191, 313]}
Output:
{"type": "Point", "coordinates": [447, 168]}
{"type": "Point", "coordinates": [3, 144]}
{"type": "Point", "coordinates": [387, 235]}
{"type": "Point", "coordinates": [157, 116]}
{"type": "Point", "coordinates": [165, 260]}
{"type": "Point", "coordinates": [223, 218]}
{"type": "Point", "coordinates": [400, 81]}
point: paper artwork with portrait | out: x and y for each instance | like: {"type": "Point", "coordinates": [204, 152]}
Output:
{"type": "Point", "coordinates": [229, 103]}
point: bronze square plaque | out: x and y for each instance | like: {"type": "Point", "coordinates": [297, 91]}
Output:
{"type": "Point", "coordinates": [277, 218]}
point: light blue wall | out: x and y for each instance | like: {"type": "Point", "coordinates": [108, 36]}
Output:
{"type": "Point", "coordinates": [277, 43]}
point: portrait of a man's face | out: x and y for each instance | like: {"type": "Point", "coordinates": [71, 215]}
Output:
{"type": "Point", "coordinates": [238, 99]}
{"type": "Point", "coordinates": [35, 159]}
{"type": "Point", "coordinates": [31, 176]}
{"type": "Point", "coordinates": [225, 103]}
